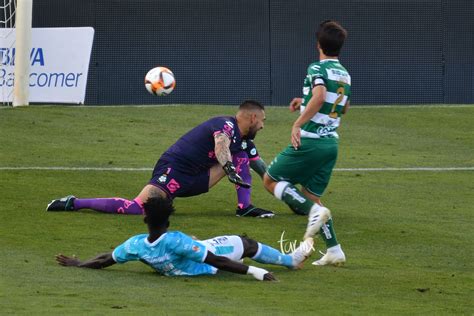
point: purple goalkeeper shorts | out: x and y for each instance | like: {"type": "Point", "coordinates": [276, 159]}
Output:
{"type": "Point", "coordinates": [177, 183]}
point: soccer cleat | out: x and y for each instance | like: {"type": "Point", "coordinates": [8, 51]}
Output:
{"type": "Point", "coordinates": [335, 258]}
{"type": "Point", "coordinates": [252, 211]}
{"type": "Point", "coordinates": [318, 215]}
{"type": "Point", "coordinates": [64, 204]}
{"type": "Point", "coordinates": [302, 253]}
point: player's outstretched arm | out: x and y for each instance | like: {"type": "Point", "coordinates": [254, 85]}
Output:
{"type": "Point", "coordinates": [226, 264]}
{"type": "Point", "coordinates": [259, 166]}
{"type": "Point", "coordinates": [101, 261]}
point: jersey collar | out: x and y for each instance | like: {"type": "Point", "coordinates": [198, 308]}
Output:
{"type": "Point", "coordinates": [153, 244]}
{"type": "Point", "coordinates": [329, 59]}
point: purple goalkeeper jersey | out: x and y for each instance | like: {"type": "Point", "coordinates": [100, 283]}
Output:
{"type": "Point", "coordinates": [194, 151]}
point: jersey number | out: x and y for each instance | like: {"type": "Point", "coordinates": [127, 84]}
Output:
{"type": "Point", "coordinates": [340, 95]}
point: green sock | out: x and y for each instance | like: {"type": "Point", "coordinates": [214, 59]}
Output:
{"type": "Point", "coordinates": [296, 200]}
{"type": "Point", "coordinates": [328, 234]}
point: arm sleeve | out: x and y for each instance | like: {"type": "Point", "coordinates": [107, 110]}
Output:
{"type": "Point", "coordinates": [189, 248]}
{"type": "Point", "coordinates": [125, 252]}
{"type": "Point", "coordinates": [222, 125]}
{"type": "Point", "coordinates": [316, 76]}
{"type": "Point", "coordinates": [259, 166]}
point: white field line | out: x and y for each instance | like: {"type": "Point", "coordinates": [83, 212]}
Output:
{"type": "Point", "coordinates": [285, 107]}
{"type": "Point", "coordinates": [75, 169]}
{"type": "Point", "coordinates": [353, 107]}
{"type": "Point", "coordinates": [409, 169]}
{"type": "Point", "coordinates": [411, 106]}
{"type": "Point", "coordinates": [433, 169]}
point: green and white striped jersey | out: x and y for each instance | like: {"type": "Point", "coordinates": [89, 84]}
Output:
{"type": "Point", "coordinates": [330, 73]}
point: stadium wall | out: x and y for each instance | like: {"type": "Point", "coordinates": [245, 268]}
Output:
{"type": "Point", "coordinates": [224, 51]}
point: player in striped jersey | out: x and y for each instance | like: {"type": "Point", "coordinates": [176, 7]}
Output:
{"type": "Point", "coordinates": [311, 157]}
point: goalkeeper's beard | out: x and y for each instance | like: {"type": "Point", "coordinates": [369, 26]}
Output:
{"type": "Point", "coordinates": [251, 134]}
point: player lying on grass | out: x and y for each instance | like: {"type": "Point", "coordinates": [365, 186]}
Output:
{"type": "Point", "coordinates": [196, 162]}
{"type": "Point", "coordinates": [174, 253]}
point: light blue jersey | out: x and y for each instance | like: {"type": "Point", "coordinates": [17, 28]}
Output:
{"type": "Point", "coordinates": [174, 253]}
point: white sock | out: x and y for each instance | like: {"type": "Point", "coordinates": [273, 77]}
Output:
{"type": "Point", "coordinates": [279, 188]}
{"type": "Point", "coordinates": [316, 206]}
{"type": "Point", "coordinates": [336, 248]}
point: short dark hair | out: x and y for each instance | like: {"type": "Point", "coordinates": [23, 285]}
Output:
{"type": "Point", "coordinates": [158, 211]}
{"type": "Point", "coordinates": [251, 105]}
{"type": "Point", "coordinates": [331, 36]}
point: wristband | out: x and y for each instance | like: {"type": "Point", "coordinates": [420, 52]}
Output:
{"type": "Point", "coordinates": [257, 273]}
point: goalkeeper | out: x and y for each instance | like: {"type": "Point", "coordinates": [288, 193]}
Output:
{"type": "Point", "coordinates": [173, 253]}
{"type": "Point", "coordinates": [219, 147]}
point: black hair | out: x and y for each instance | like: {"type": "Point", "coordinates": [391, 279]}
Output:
{"type": "Point", "coordinates": [331, 36]}
{"type": "Point", "coordinates": [251, 105]}
{"type": "Point", "coordinates": [158, 211]}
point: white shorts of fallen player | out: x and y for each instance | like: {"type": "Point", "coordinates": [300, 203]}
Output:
{"type": "Point", "coordinates": [227, 246]}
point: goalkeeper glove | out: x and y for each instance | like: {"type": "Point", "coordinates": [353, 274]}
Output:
{"type": "Point", "coordinates": [233, 176]}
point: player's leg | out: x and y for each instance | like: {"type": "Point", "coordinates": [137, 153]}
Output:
{"type": "Point", "coordinates": [288, 193]}
{"type": "Point", "coordinates": [238, 247]}
{"type": "Point", "coordinates": [288, 168]}
{"type": "Point", "coordinates": [113, 205]}
{"type": "Point", "coordinates": [299, 203]}
{"type": "Point", "coordinates": [216, 173]}
{"type": "Point", "coordinates": [265, 254]}
{"type": "Point", "coordinates": [106, 205]}
{"type": "Point", "coordinates": [241, 163]}
{"type": "Point", "coordinates": [313, 189]}
{"type": "Point", "coordinates": [244, 205]}
{"type": "Point", "coordinates": [230, 246]}
{"type": "Point", "coordinates": [327, 230]}
{"type": "Point", "coordinates": [334, 253]}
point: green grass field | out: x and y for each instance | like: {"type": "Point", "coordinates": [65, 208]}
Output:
{"type": "Point", "coordinates": [408, 235]}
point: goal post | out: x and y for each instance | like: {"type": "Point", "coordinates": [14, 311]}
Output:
{"type": "Point", "coordinates": [23, 21]}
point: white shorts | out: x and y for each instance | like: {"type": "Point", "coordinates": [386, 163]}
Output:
{"type": "Point", "coordinates": [227, 246]}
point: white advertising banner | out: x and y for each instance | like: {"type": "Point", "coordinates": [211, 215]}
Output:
{"type": "Point", "coordinates": [59, 63]}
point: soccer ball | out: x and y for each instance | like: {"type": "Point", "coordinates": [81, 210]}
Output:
{"type": "Point", "coordinates": [160, 81]}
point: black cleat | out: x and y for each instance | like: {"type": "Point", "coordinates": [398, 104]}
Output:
{"type": "Point", "coordinates": [64, 204]}
{"type": "Point", "coordinates": [252, 211]}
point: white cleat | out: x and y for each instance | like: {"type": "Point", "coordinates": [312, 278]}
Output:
{"type": "Point", "coordinates": [334, 257]}
{"type": "Point", "coordinates": [316, 218]}
{"type": "Point", "coordinates": [304, 250]}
